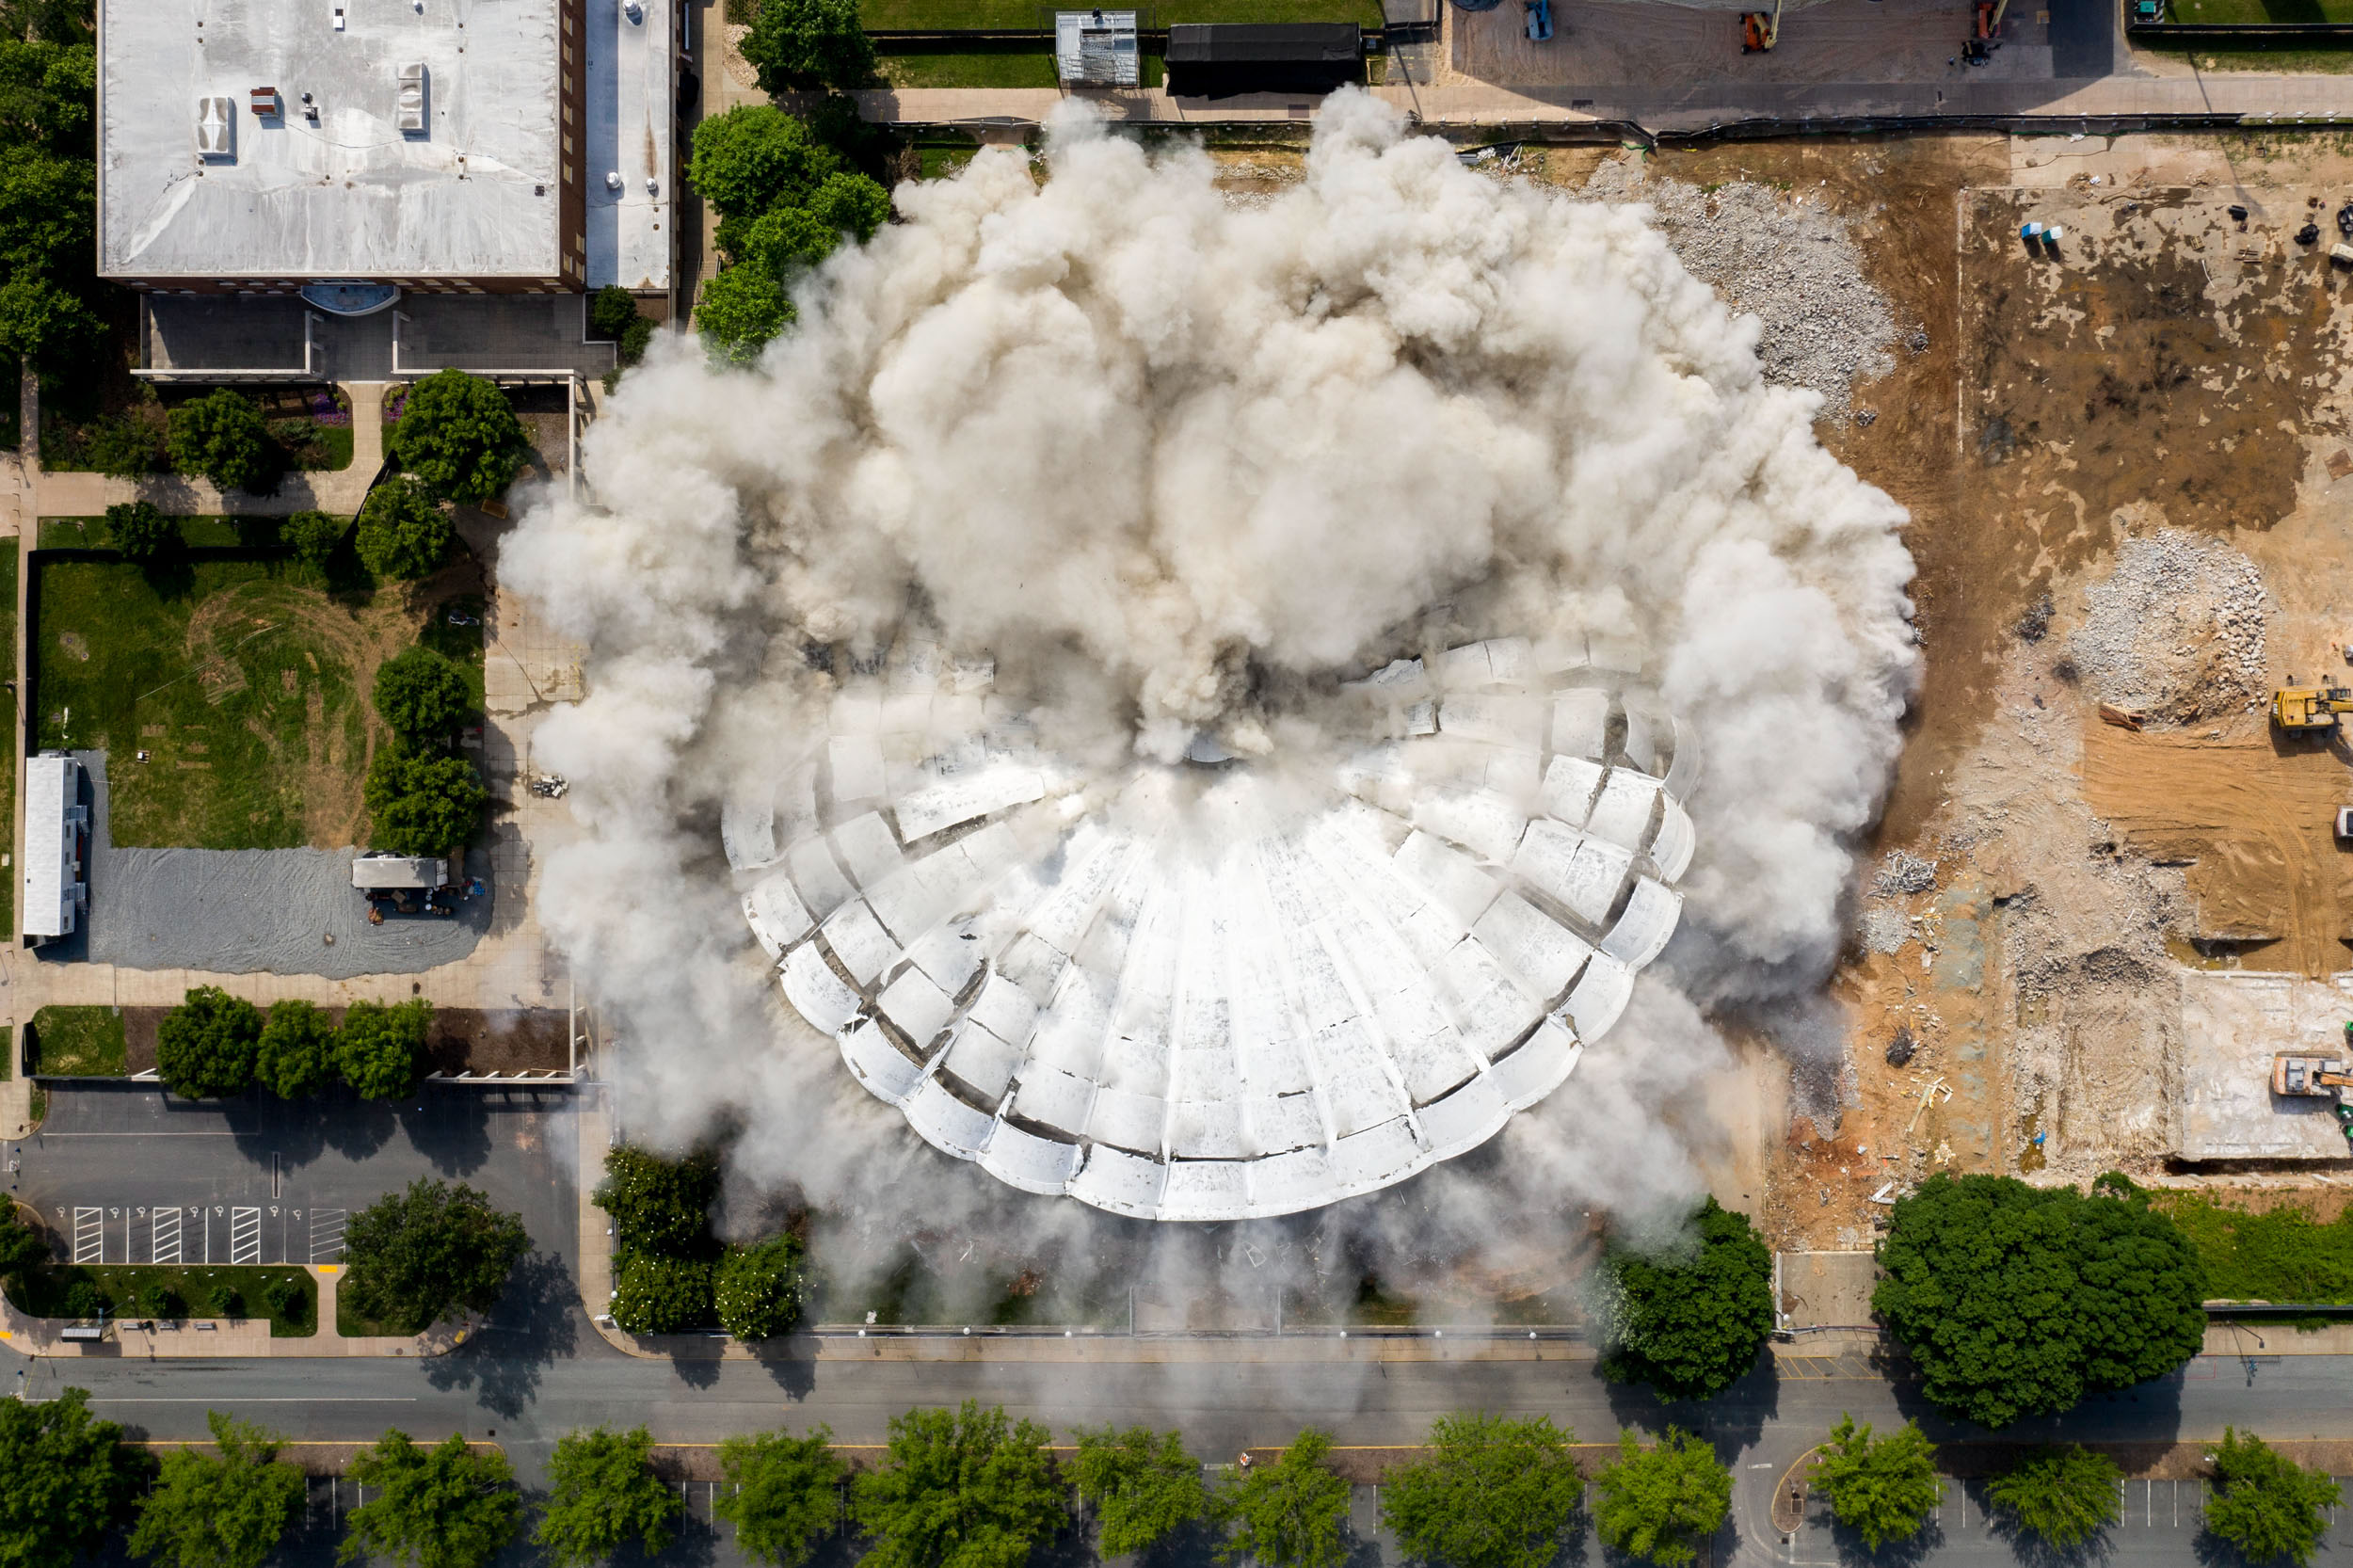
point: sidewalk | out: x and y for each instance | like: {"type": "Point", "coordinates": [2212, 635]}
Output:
{"type": "Point", "coordinates": [198, 1338]}
{"type": "Point", "coordinates": [1656, 108]}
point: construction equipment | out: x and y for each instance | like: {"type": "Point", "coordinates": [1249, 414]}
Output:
{"type": "Point", "coordinates": [2316, 1078]}
{"type": "Point", "coordinates": [1760, 31]}
{"type": "Point", "coordinates": [2309, 709]}
{"type": "Point", "coordinates": [1539, 20]}
{"type": "Point", "coordinates": [1990, 18]}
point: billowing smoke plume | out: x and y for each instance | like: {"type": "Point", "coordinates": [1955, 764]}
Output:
{"type": "Point", "coordinates": [1179, 469]}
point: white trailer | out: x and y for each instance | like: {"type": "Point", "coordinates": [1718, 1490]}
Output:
{"type": "Point", "coordinates": [56, 845]}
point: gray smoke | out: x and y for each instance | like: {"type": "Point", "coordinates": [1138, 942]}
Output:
{"type": "Point", "coordinates": [1178, 468]}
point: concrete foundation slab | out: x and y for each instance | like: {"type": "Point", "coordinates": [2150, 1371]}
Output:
{"type": "Point", "coordinates": [2232, 1024]}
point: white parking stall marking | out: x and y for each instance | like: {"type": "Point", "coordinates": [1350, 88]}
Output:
{"type": "Point", "coordinates": [245, 1236]}
{"type": "Point", "coordinates": [89, 1235]}
{"type": "Point", "coordinates": [164, 1234]}
{"type": "Point", "coordinates": [327, 1236]}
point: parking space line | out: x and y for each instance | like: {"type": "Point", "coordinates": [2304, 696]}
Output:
{"type": "Point", "coordinates": [163, 1230]}
{"type": "Point", "coordinates": [245, 1236]}
{"type": "Point", "coordinates": [326, 1235]}
{"type": "Point", "coordinates": [89, 1235]}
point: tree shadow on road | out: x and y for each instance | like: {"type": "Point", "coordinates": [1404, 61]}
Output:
{"type": "Point", "coordinates": [535, 1324]}
{"type": "Point", "coordinates": [794, 1375]}
{"type": "Point", "coordinates": [1731, 1422]}
{"type": "Point", "coordinates": [696, 1371]}
{"type": "Point", "coordinates": [1905, 1552]}
{"type": "Point", "coordinates": [451, 1131]}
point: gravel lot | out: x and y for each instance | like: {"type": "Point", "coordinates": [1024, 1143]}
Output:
{"type": "Point", "coordinates": [284, 911]}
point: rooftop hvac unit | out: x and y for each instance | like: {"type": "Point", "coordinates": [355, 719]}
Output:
{"type": "Point", "coordinates": [412, 96]}
{"type": "Point", "coordinates": [265, 104]}
{"type": "Point", "coordinates": [215, 128]}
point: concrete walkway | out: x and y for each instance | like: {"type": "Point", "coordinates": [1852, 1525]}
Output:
{"type": "Point", "coordinates": [1664, 108]}
{"type": "Point", "coordinates": [341, 490]}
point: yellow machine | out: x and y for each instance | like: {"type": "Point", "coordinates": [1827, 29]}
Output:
{"type": "Point", "coordinates": [1758, 31]}
{"type": "Point", "coordinates": [2304, 710]}
{"type": "Point", "coordinates": [2317, 1077]}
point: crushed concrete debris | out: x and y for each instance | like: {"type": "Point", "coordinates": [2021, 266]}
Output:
{"type": "Point", "coordinates": [1902, 874]}
{"type": "Point", "coordinates": [2176, 633]}
{"type": "Point", "coordinates": [1788, 262]}
{"type": "Point", "coordinates": [1885, 929]}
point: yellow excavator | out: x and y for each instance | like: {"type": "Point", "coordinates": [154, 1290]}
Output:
{"type": "Point", "coordinates": [2307, 709]}
{"type": "Point", "coordinates": [2316, 1078]}
{"type": "Point", "coordinates": [1759, 32]}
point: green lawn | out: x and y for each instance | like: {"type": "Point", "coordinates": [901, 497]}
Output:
{"type": "Point", "coordinates": [201, 533]}
{"type": "Point", "coordinates": [49, 1292]}
{"type": "Point", "coordinates": [2256, 11]}
{"type": "Point", "coordinates": [926, 14]}
{"type": "Point", "coordinates": [330, 450]}
{"type": "Point", "coordinates": [457, 642]}
{"type": "Point", "coordinates": [2274, 1255]}
{"type": "Point", "coordinates": [2292, 62]}
{"type": "Point", "coordinates": [75, 1042]}
{"type": "Point", "coordinates": [235, 676]}
{"type": "Point", "coordinates": [988, 68]}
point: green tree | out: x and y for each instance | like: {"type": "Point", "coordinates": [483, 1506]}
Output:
{"type": "Point", "coordinates": [48, 242]}
{"type": "Point", "coordinates": [760, 1289]}
{"type": "Point", "coordinates": [420, 805]}
{"type": "Point", "coordinates": [314, 537]}
{"type": "Point", "coordinates": [613, 313]}
{"type": "Point", "coordinates": [223, 437]}
{"type": "Point", "coordinates": [805, 43]}
{"type": "Point", "coordinates": [602, 1492]}
{"type": "Point", "coordinates": [2062, 1496]}
{"type": "Point", "coordinates": [958, 1489]}
{"type": "Point", "coordinates": [401, 531]}
{"type": "Point", "coordinates": [1663, 1503]}
{"type": "Point", "coordinates": [754, 157]}
{"type": "Point", "coordinates": [1142, 1484]}
{"type": "Point", "coordinates": [294, 1056]}
{"type": "Point", "coordinates": [741, 312]}
{"type": "Point", "coordinates": [123, 446]}
{"type": "Point", "coordinates": [2019, 1301]}
{"type": "Point", "coordinates": [655, 1294]}
{"type": "Point", "coordinates": [22, 1246]}
{"type": "Point", "coordinates": [224, 1510]}
{"type": "Point", "coordinates": [1689, 1324]}
{"type": "Point", "coordinates": [411, 1256]}
{"type": "Point", "coordinates": [205, 1047]}
{"type": "Point", "coordinates": [139, 532]}
{"type": "Point", "coordinates": [379, 1049]}
{"type": "Point", "coordinates": [850, 204]}
{"type": "Point", "coordinates": [443, 1507]}
{"type": "Point", "coordinates": [784, 1494]}
{"type": "Point", "coordinates": [420, 694]}
{"type": "Point", "coordinates": [1883, 1489]}
{"type": "Point", "coordinates": [1290, 1513]}
{"type": "Point", "coordinates": [660, 1206]}
{"type": "Point", "coordinates": [48, 88]}
{"type": "Point", "coordinates": [459, 435]}
{"type": "Point", "coordinates": [67, 1480]}
{"type": "Point", "coordinates": [2266, 1504]}
{"type": "Point", "coordinates": [1495, 1492]}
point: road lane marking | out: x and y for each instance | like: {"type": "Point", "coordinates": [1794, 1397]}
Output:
{"type": "Point", "coordinates": [264, 1399]}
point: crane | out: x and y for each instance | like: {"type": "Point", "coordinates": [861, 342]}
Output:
{"type": "Point", "coordinates": [2316, 1078]}
{"type": "Point", "coordinates": [2307, 710]}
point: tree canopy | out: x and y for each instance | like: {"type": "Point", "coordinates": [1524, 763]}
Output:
{"type": "Point", "coordinates": [655, 1293]}
{"type": "Point", "coordinates": [420, 694]}
{"type": "Point", "coordinates": [67, 1480]}
{"type": "Point", "coordinates": [1883, 1489]}
{"type": "Point", "coordinates": [1290, 1513]}
{"type": "Point", "coordinates": [2062, 1495]}
{"type": "Point", "coordinates": [139, 532]}
{"type": "Point", "coordinates": [958, 1489]}
{"type": "Point", "coordinates": [443, 1507]}
{"type": "Point", "coordinates": [123, 446]}
{"type": "Point", "coordinates": [1662, 1503]}
{"type": "Point", "coordinates": [741, 310]}
{"type": "Point", "coordinates": [760, 1289]}
{"type": "Point", "coordinates": [22, 1247]}
{"type": "Point", "coordinates": [48, 185]}
{"type": "Point", "coordinates": [659, 1205]}
{"type": "Point", "coordinates": [459, 434]}
{"type": "Point", "coordinates": [293, 1058]}
{"type": "Point", "coordinates": [601, 1493]}
{"type": "Point", "coordinates": [313, 537]}
{"type": "Point", "coordinates": [205, 1047]}
{"type": "Point", "coordinates": [2265, 1503]}
{"type": "Point", "coordinates": [223, 437]}
{"type": "Point", "coordinates": [1495, 1492]}
{"type": "Point", "coordinates": [1692, 1324]}
{"type": "Point", "coordinates": [1143, 1485]}
{"type": "Point", "coordinates": [2018, 1301]}
{"type": "Point", "coordinates": [413, 1255]}
{"type": "Point", "coordinates": [401, 531]}
{"type": "Point", "coordinates": [228, 1509]}
{"type": "Point", "coordinates": [379, 1049]}
{"type": "Point", "coordinates": [420, 804]}
{"type": "Point", "coordinates": [805, 43]}
{"type": "Point", "coordinates": [784, 1494]}
{"type": "Point", "coordinates": [754, 157]}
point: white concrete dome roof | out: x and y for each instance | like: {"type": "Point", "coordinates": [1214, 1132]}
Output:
{"type": "Point", "coordinates": [1205, 991]}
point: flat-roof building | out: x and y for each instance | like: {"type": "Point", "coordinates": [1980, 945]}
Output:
{"type": "Point", "coordinates": [56, 834]}
{"type": "Point", "coordinates": [258, 147]}
{"type": "Point", "coordinates": [381, 872]}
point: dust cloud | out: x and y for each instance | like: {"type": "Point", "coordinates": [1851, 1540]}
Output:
{"type": "Point", "coordinates": [1179, 469]}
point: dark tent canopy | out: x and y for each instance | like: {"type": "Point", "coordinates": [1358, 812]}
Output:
{"type": "Point", "coordinates": [1218, 59]}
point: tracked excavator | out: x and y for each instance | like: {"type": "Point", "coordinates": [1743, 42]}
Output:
{"type": "Point", "coordinates": [2316, 1078]}
{"type": "Point", "coordinates": [1760, 31]}
{"type": "Point", "coordinates": [2309, 709]}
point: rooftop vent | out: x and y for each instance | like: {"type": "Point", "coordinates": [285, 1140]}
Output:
{"type": "Point", "coordinates": [266, 104]}
{"type": "Point", "coordinates": [215, 128]}
{"type": "Point", "coordinates": [411, 114]}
